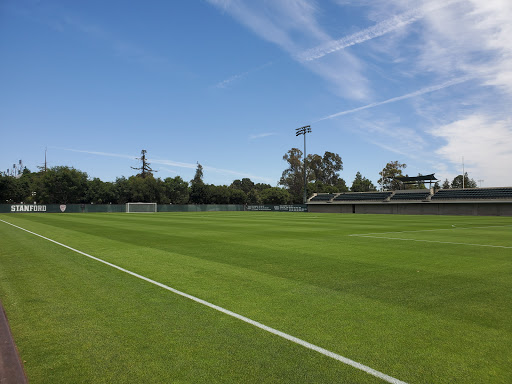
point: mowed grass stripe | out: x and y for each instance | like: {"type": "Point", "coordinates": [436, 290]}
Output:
{"type": "Point", "coordinates": [87, 324]}
{"type": "Point", "coordinates": [264, 327]}
{"type": "Point", "coordinates": [435, 312]}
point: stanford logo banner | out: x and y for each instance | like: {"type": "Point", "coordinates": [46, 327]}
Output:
{"type": "Point", "coordinates": [62, 208]}
{"type": "Point", "coordinates": [28, 208]}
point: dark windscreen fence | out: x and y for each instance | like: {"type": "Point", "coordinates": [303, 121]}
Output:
{"type": "Point", "coordinates": [199, 207]}
{"type": "Point", "coordinates": [278, 208]}
{"type": "Point", "coordinates": [118, 208]}
{"type": "Point", "coordinates": [105, 208]}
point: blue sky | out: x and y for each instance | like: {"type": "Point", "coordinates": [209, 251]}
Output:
{"type": "Point", "coordinates": [226, 82]}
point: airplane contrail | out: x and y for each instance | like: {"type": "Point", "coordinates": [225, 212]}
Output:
{"type": "Point", "coordinates": [379, 29]}
{"type": "Point", "coordinates": [422, 91]}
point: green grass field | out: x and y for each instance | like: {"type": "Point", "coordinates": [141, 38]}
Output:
{"type": "Point", "coordinates": [423, 299]}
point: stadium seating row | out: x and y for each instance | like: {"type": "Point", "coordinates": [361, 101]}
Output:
{"type": "Point", "coordinates": [411, 196]}
{"type": "Point", "coordinates": [475, 193]}
{"type": "Point", "coordinates": [421, 195]}
{"type": "Point", "coordinates": [323, 197]}
{"type": "Point", "coordinates": [356, 196]}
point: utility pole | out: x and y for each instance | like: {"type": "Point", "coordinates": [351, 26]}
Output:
{"type": "Point", "coordinates": [302, 131]}
{"type": "Point", "coordinates": [481, 181]}
{"type": "Point", "coordinates": [463, 172]}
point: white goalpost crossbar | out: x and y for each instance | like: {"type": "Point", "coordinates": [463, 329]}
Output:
{"type": "Point", "coordinates": [140, 207]}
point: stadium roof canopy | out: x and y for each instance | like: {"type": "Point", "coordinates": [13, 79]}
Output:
{"type": "Point", "coordinates": [415, 179]}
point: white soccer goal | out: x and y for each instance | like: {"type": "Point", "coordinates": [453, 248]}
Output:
{"type": "Point", "coordinates": [140, 207]}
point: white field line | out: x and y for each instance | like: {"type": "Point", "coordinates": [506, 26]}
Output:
{"type": "Point", "coordinates": [264, 327]}
{"type": "Point", "coordinates": [373, 235]}
{"type": "Point", "coordinates": [430, 230]}
{"type": "Point", "coordinates": [436, 241]}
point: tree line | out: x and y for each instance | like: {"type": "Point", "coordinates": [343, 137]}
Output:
{"type": "Point", "coordinates": [67, 185]}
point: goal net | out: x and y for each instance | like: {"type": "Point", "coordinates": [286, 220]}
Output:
{"type": "Point", "coordinates": [140, 207]}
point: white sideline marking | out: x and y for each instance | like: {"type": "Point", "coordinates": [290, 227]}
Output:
{"type": "Point", "coordinates": [371, 235]}
{"type": "Point", "coordinates": [430, 230]}
{"type": "Point", "coordinates": [274, 331]}
{"type": "Point", "coordinates": [434, 241]}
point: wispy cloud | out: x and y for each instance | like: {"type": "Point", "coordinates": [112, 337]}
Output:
{"type": "Point", "coordinates": [119, 46]}
{"type": "Point", "coordinates": [391, 135]}
{"type": "Point", "coordinates": [285, 23]}
{"type": "Point", "coordinates": [399, 98]}
{"type": "Point", "coordinates": [392, 148]}
{"type": "Point", "coordinates": [293, 26]}
{"type": "Point", "coordinates": [379, 29]}
{"type": "Point", "coordinates": [261, 135]}
{"type": "Point", "coordinates": [472, 38]}
{"type": "Point", "coordinates": [167, 170]}
{"type": "Point", "coordinates": [174, 163]}
{"type": "Point", "coordinates": [227, 82]}
{"type": "Point", "coordinates": [486, 145]}
{"type": "Point", "coordinates": [210, 168]}
{"type": "Point", "coordinates": [98, 153]}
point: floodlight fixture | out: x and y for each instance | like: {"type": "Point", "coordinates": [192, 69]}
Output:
{"type": "Point", "coordinates": [302, 131]}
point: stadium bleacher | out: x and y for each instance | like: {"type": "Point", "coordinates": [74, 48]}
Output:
{"type": "Point", "coordinates": [468, 201]}
{"type": "Point", "coordinates": [415, 195]}
{"type": "Point", "coordinates": [473, 193]}
{"type": "Point", "coordinates": [363, 196]}
{"type": "Point", "coordinates": [323, 197]}
{"type": "Point", "coordinates": [411, 195]}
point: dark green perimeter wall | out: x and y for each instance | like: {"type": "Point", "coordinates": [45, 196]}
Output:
{"type": "Point", "coordinates": [87, 208]}
{"type": "Point", "coordinates": [430, 208]}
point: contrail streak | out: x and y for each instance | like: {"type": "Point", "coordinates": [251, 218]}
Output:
{"type": "Point", "coordinates": [99, 153]}
{"type": "Point", "coordinates": [225, 83]}
{"type": "Point", "coordinates": [377, 30]}
{"type": "Point", "coordinates": [403, 97]}
{"type": "Point", "coordinates": [174, 164]}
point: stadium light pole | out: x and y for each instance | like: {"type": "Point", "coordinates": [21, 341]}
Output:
{"type": "Point", "coordinates": [302, 131]}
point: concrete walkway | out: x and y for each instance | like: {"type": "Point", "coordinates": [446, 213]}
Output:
{"type": "Point", "coordinates": [11, 368]}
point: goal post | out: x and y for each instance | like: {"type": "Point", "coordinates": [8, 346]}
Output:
{"type": "Point", "coordinates": [140, 207]}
